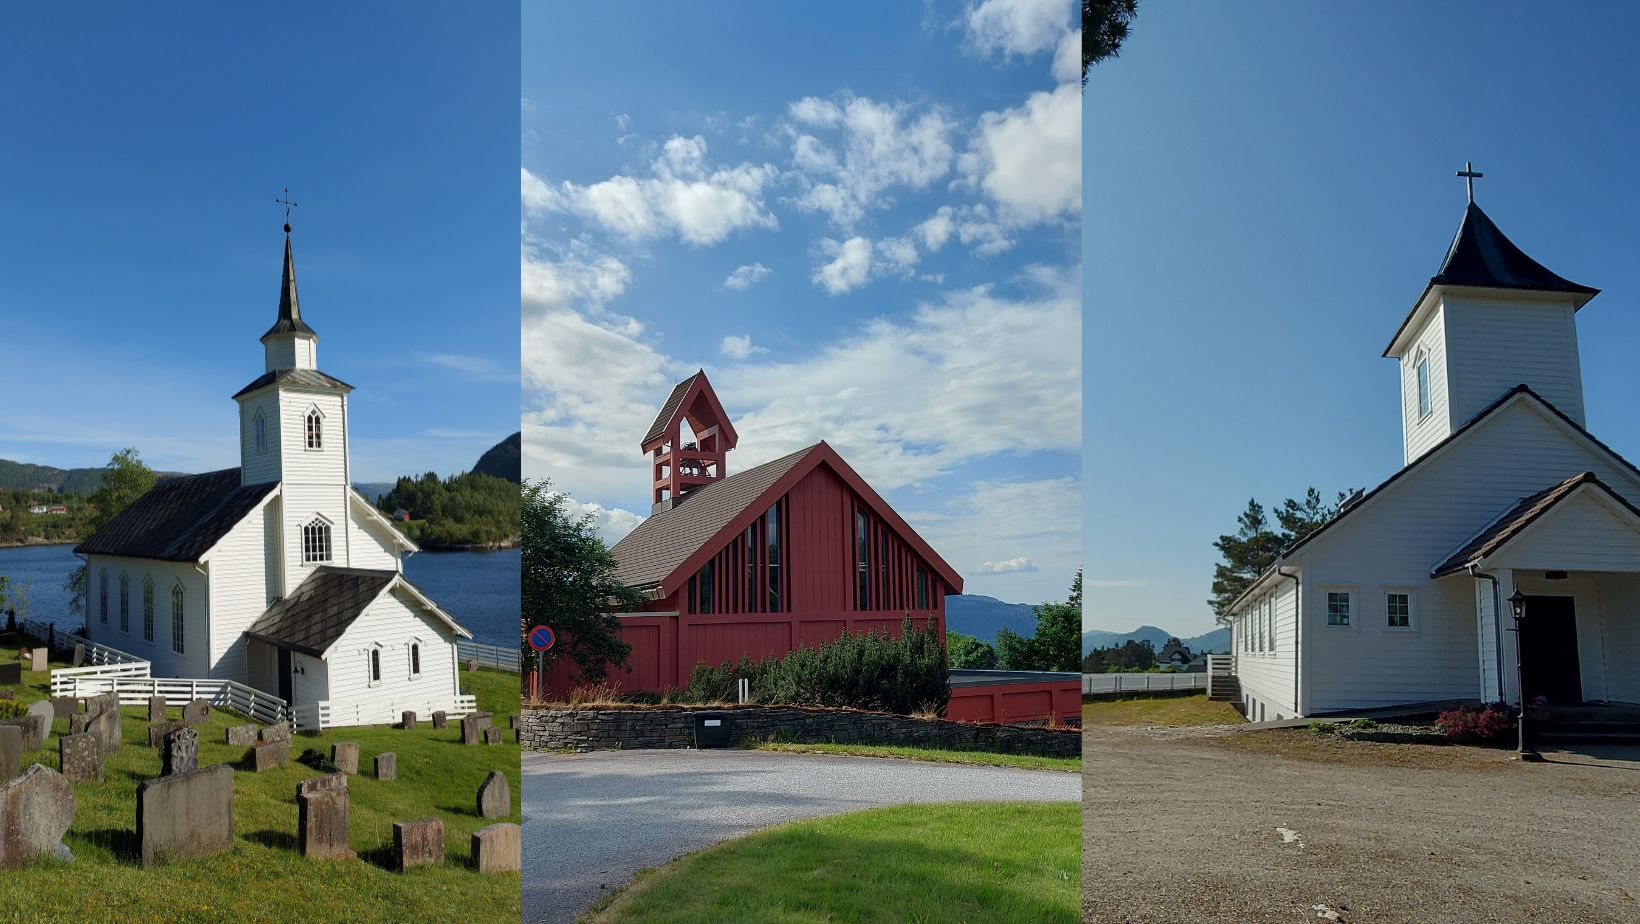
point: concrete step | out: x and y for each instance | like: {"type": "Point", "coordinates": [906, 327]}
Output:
{"type": "Point", "coordinates": [1586, 736]}
{"type": "Point", "coordinates": [1604, 715]}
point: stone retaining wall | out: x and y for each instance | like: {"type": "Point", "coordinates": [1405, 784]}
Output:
{"type": "Point", "coordinates": [597, 729]}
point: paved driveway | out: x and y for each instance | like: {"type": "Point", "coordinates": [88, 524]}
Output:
{"type": "Point", "coordinates": [591, 821]}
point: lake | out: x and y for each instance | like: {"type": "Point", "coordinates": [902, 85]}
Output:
{"type": "Point", "coordinates": [480, 589]}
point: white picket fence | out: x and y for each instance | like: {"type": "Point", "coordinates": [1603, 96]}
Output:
{"type": "Point", "coordinates": [95, 652]}
{"type": "Point", "coordinates": [331, 714]}
{"type": "Point", "coordinates": [502, 659]}
{"type": "Point", "coordinates": [135, 687]}
{"type": "Point", "coordinates": [1101, 684]}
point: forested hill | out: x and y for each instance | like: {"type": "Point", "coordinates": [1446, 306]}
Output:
{"type": "Point", "coordinates": [503, 460]}
{"type": "Point", "coordinates": [24, 476]}
{"type": "Point", "coordinates": [466, 511]}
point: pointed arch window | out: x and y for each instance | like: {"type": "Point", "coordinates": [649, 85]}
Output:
{"type": "Point", "coordinates": [177, 611]}
{"type": "Point", "coordinates": [147, 608]}
{"type": "Point", "coordinates": [415, 659]}
{"type": "Point", "coordinates": [261, 424]}
{"type": "Point", "coordinates": [125, 602]}
{"type": "Point", "coordinates": [315, 429]}
{"type": "Point", "coordinates": [373, 664]}
{"type": "Point", "coordinates": [316, 541]}
{"type": "Point", "coordinates": [102, 596]}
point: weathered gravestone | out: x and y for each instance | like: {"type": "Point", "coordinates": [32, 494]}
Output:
{"type": "Point", "coordinates": [242, 735]}
{"type": "Point", "coordinates": [492, 736]}
{"type": "Point", "coordinates": [439, 719]}
{"type": "Point", "coordinates": [156, 708]}
{"type": "Point", "coordinates": [64, 706]}
{"type": "Point", "coordinates": [11, 673]}
{"type": "Point", "coordinates": [484, 719]}
{"type": "Point", "coordinates": [278, 731]}
{"type": "Point", "coordinates": [321, 817]}
{"type": "Point", "coordinates": [79, 655]}
{"type": "Point", "coordinates": [47, 714]}
{"type": "Point", "coordinates": [185, 815]}
{"type": "Point", "coordinates": [471, 731]}
{"type": "Point", "coordinates": [472, 664]}
{"type": "Point", "coordinates": [105, 722]}
{"type": "Point", "coordinates": [33, 728]}
{"type": "Point", "coordinates": [494, 799]}
{"type": "Point", "coordinates": [197, 712]}
{"type": "Point", "coordinates": [37, 659]}
{"type": "Point", "coordinates": [418, 843]}
{"type": "Point", "coordinates": [81, 757]}
{"type": "Point", "coordinates": [102, 701]}
{"type": "Point", "coordinates": [512, 721]}
{"type": "Point", "coordinates": [387, 766]}
{"type": "Point", "coordinates": [408, 720]}
{"type": "Point", "coordinates": [345, 755]}
{"type": "Point", "coordinates": [180, 752]}
{"type": "Point", "coordinates": [496, 849]}
{"type": "Point", "coordinates": [11, 751]}
{"type": "Point", "coordinates": [270, 755]}
{"type": "Point", "coordinates": [158, 731]}
{"type": "Point", "coordinates": [36, 808]}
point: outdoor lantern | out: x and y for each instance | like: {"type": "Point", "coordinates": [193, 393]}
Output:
{"type": "Point", "coordinates": [1517, 602]}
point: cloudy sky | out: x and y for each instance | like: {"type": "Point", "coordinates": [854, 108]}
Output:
{"type": "Point", "coordinates": [142, 246]}
{"type": "Point", "coordinates": [862, 220]}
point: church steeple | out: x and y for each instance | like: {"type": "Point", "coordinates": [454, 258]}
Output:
{"type": "Point", "coordinates": [682, 462]}
{"type": "Point", "coordinates": [290, 343]}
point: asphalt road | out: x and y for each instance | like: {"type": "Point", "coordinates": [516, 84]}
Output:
{"type": "Point", "coordinates": [592, 821]}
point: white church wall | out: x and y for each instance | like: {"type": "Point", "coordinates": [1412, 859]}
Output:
{"type": "Point", "coordinates": [310, 679]}
{"type": "Point", "coordinates": [1494, 344]}
{"type": "Point", "coordinates": [259, 466]}
{"type": "Point", "coordinates": [1422, 432]}
{"type": "Point", "coordinates": [193, 660]}
{"type": "Point", "coordinates": [1583, 533]}
{"type": "Point", "coordinates": [1620, 632]}
{"type": "Point", "coordinates": [327, 464]}
{"type": "Point", "coordinates": [303, 502]}
{"type": "Point", "coordinates": [262, 666]}
{"type": "Point", "coordinates": [369, 546]}
{"type": "Point", "coordinates": [394, 624]}
{"type": "Point", "coordinates": [279, 353]}
{"type": "Point", "coordinates": [1266, 670]}
{"type": "Point", "coordinates": [239, 592]}
{"type": "Point", "coordinates": [1488, 600]}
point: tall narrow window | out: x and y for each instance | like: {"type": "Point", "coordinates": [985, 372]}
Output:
{"type": "Point", "coordinates": [261, 432]}
{"type": "Point", "coordinates": [316, 541]}
{"type": "Point", "coordinates": [176, 617]}
{"type": "Point", "coordinates": [922, 588]}
{"type": "Point", "coordinates": [1423, 387]}
{"type": "Point", "coordinates": [102, 596]}
{"type": "Point", "coordinates": [704, 579]}
{"type": "Point", "coordinates": [315, 430]}
{"type": "Point", "coordinates": [415, 659]}
{"type": "Point", "coordinates": [375, 665]}
{"type": "Point", "coordinates": [147, 609]}
{"type": "Point", "coordinates": [862, 560]}
{"type": "Point", "coordinates": [772, 527]}
{"type": "Point", "coordinates": [125, 602]}
{"type": "Point", "coordinates": [751, 568]}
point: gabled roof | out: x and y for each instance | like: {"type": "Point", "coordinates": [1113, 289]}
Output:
{"type": "Point", "coordinates": [290, 310]}
{"type": "Point", "coordinates": [301, 378]}
{"type": "Point", "coordinates": [1517, 518]}
{"type": "Point", "coordinates": [312, 618]}
{"type": "Point", "coordinates": [669, 547]}
{"type": "Point", "coordinates": [1481, 256]}
{"type": "Point", "coordinates": [179, 519]}
{"type": "Point", "coordinates": [682, 400]}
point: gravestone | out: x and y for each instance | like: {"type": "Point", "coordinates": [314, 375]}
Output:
{"type": "Point", "coordinates": [408, 720]}
{"type": "Point", "coordinates": [64, 706]}
{"type": "Point", "coordinates": [79, 655]}
{"type": "Point", "coordinates": [418, 843]}
{"type": "Point", "coordinates": [470, 730]}
{"type": "Point", "coordinates": [270, 755]}
{"type": "Point", "coordinates": [47, 714]}
{"type": "Point", "coordinates": [387, 766]}
{"type": "Point", "coordinates": [106, 723]}
{"type": "Point", "coordinates": [11, 751]}
{"type": "Point", "coordinates": [345, 755]}
{"type": "Point", "coordinates": [439, 720]}
{"type": "Point", "coordinates": [321, 817]}
{"type": "Point", "coordinates": [37, 659]}
{"type": "Point", "coordinates": [33, 728]}
{"type": "Point", "coordinates": [496, 849]}
{"type": "Point", "coordinates": [278, 731]}
{"type": "Point", "coordinates": [11, 673]}
{"type": "Point", "coordinates": [512, 721]}
{"type": "Point", "coordinates": [36, 808]}
{"type": "Point", "coordinates": [494, 799]}
{"type": "Point", "coordinates": [102, 701]}
{"type": "Point", "coordinates": [186, 815]}
{"type": "Point", "coordinates": [180, 753]}
{"type": "Point", "coordinates": [492, 736]}
{"type": "Point", "coordinates": [81, 757]}
{"type": "Point", "coordinates": [197, 712]}
{"type": "Point", "coordinates": [242, 735]}
{"type": "Point", "coordinates": [484, 719]}
{"type": "Point", "coordinates": [472, 664]}
{"type": "Point", "coordinates": [158, 731]}
{"type": "Point", "coordinates": [156, 708]}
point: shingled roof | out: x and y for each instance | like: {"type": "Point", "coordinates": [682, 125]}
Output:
{"type": "Point", "coordinates": [1526, 512]}
{"type": "Point", "coordinates": [315, 616]}
{"type": "Point", "coordinates": [179, 519]}
{"type": "Point", "coordinates": [305, 378]}
{"type": "Point", "coordinates": [658, 428]}
{"type": "Point", "coordinates": [666, 540]}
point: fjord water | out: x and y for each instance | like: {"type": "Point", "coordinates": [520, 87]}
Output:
{"type": "Point", "coordinates": [479, 589]}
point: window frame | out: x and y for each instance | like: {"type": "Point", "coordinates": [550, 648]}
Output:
{"type": "Point", "coordinates": [1352, 597]}
{"type": "Point", "coordinates": [102, 595]}
{"type": "Point", "coordinates": [148, 609]}
{"type": "Point", "coordinates": [259, 424]}
{"type": "Point", "coordinates": [1412, 609]}
{"type": "Point", "coordinates": [179, 617]}
{"type": "Point", "coordinates": [319, 522]}
{"type": "Point", "coordinates": [415, 659]}
{"type": "Point", "coordinates": [373, 665]}
{"type": "Point", "coordinates": [1422, 385]}
{"type": "Point", "coordinates": [125, 603]}
{"type": "Point", "coordinates": [313, 429]}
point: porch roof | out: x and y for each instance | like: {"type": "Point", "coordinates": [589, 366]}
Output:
{"type": "Point", "coordinates": [1527, 511]}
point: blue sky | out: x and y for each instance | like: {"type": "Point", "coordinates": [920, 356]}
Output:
{"type": "Point", "coordinates": [144, 149]}
{"type": "Point", "coordinates": [862, 220]}
{"type": "Point", "coordinates": [1271, 188]}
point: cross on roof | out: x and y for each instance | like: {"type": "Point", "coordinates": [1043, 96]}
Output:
{"type": "Point", "coordinates": [288, 206]}
{"type": "Point", "coordinates": [1469, 177]}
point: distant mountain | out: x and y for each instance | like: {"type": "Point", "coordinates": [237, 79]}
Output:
{"type": "Point", "coordinates": [503, 460]}
{"type": "Point", "coordinates": [372, 489]}
{"type": "Point", "coordinates": [981, 616]}
{"type": "Point", "coordinates": [23, 476]}
{"type": "Point", "coordinates": [1216, 640]}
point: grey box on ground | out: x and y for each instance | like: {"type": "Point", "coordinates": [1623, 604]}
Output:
{"type": "Point", "coordinates": [156, 708]}
{"type": "Point", "coordinates": [497, 848]}
{"type": "Point", "coordinates": [418, 843]}
{"type": "Point", "coordinates": [197, 712]}
{"type": "Point", "coordinates": [185, 816]}
{"type": "Point", "coordinates": [158, 730]}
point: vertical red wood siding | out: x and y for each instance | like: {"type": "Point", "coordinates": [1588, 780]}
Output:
{"type": "Point", "coordinates": [1018, 702]}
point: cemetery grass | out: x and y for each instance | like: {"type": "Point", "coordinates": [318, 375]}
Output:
{"type": "Point", "coordinates": [1168, 710]}
{"type": "Point", "coordinates": [973, 862]}
{"type": "Point", "coordinates": [937, 755]}
{"type": "Point", "coordinates": [263, 878]}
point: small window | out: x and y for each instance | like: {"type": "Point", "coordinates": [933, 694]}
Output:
{"type": "Point", "coordinates": [375, 666]}
{"type": "Point", "coordinates": [1423, 386]}
{"type": "Point", "coordinates": [1398, 610]}
{"type": "Point", "coordinates": [707, 586]}
{"type": "Point", "coordinates": [176, 617]}
{"type": "Point", "coordinates": [922, 588]}
{"type": "Point", "coordinates": [147, 609]}
{"type": "Point", "coordinates": [261, 432]}
{"type": "Point", "coordinates": [1338, 608]}
{"type": "Point", "coordinates": [125, 602]}
{"type": "Point", "coordinates": [315, 429]}
{"type": "Point", "coordinates": [102, 596]}
{"type": "Point", "coordinates": [415, 659]}
{"type": "Point", "coordinates": [316, 541]}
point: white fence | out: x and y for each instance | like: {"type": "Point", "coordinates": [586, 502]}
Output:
{"type": "Point", "coordinates": [134, 689]}
{"type": "Point", "coordinates": [330, 714]}
{"type": "Point", "coordinates": [1100, 684]}
{"type": "Point", "coordinates": [95, 653]}
{"type": "Point", "coordinates": [502, 659]}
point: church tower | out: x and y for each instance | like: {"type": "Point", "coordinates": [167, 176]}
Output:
{"type": "Point", "coordinates": [682, 462]}
{"type": "Point", "coordinates": [1490, 319]}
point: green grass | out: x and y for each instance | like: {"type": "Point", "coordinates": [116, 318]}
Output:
{"type": "Point", "coordinates": [937, 755]}
{"type": "Point", "coordinates": [264, 878]}
{"type": "Point", "coordinates": [1171, 710]}
{"type": "Point", "coordinates": [962, 863]}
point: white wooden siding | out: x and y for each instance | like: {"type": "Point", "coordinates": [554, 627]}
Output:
{"type": "Point", "coordinates": [310, 680]}
{"type": "Point", "coordinates": [194, 660]}
{"type": "Point", "coordinates": [259, 467]}
{"type": "Point", "coordinates": [1494, 344]}
{"type": "Point", "coordinates": [239, 593]}
{"type": "Point", "coordinates": [393, 622]}
{"type": "Point", "coordinates": [1267, 676]}
{"type": "Point", "coordinates": [370, 545]}
{"type": "Point", "coordinates": [1422, 433]}
{"type": "Point", "coordinates": [1581, 533]}
{"type": "Point", "coordinates": [1620, 631]}
{"type": "Point", "coordinates": [290, 353]}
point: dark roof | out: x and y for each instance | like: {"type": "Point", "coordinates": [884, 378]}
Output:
{"type": "Point", "coordinates": [315, 616]}
{"type": "Point", "coordinates": [670, 408]}
{"type": "Point", "coordinates": [1482, 256]}
{"type": "Point", "coordinates": [1523, 514]}
{"type": "Point", "coordinates": [661, 543]}
{"type": "Point", "coordinates": [306, 378]}
{"type": "Point", "coordinates": [290, 310]}
{"type": "Point", "coordinates": [179, 519]}
{"type": "Point", "coordinates": [973, 677]}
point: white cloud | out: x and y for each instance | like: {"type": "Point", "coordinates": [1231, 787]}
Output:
{"type": "Point", "coordinates": [1017, 540]}
{"type": "Point", "coordinates": [1067, 58]}
{"type": "Point", "coordinates": [935, 231]}
{"type": "Point", "coordinates": [1016, 27]}
{"type": "Point", "coordinates": [478, 368]}
{"type": "Point", "coordinates": [739, 347]}
{"type": "Point", "coordinates": [746, 276]}
{"type": "Point", "coordinates": [1029, 159]}
{"type": "Point", "coordinates": [611, 523]}
{"type": "Point", "coordinates": [849, 267]}
{"type": "Point", "coordinates": [1010, 566]}
{"type": "Point", "coordinates": [877, 147]}
{"type": "Point", "coordinates": [812, 110]}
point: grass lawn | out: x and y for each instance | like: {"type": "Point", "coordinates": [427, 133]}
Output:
{"type": "Point", "coordinates": [263, 878]}
{"type": "Point", "coordinates": [938, 755]}
{"type": "Point", "coordinates": [963, 863]}
{"type": "Point", "coordinates": [1161, 710]}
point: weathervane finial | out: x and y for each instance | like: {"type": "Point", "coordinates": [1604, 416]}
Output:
{"type": "Point", "coordinates": [288, 206]}
{"type": "Point", "coordinates": [1469, 177]}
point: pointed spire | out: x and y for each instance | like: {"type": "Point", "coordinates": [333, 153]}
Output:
{"type": "Point", "coordinates": [290, 310]}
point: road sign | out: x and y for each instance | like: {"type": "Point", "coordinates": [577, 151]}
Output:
{"type": "Point", "coordinates": [541, 638]}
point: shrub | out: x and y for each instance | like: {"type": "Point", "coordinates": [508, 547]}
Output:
{"type": "Point", "coordinates": [315, 758]}
{"type": "Point", "coordinates": [870, 670]}
{"type": "Point", "coordinates": [1363, 723]}
{"type": "Point", "coordinates": [1486, 724]}
{"type": "Point", "coordinates": [12, 709]}
{"type": "Point", "coordinates": [1324, 728]}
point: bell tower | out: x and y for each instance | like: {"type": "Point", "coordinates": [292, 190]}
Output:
{"type": "Point", "coordinates": [682, 462]}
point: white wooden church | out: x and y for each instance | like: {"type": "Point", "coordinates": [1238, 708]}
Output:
{"type": "Point", "coordinates": [1397, 599]}
{"type": "Point", "coordinates": [277, 574]}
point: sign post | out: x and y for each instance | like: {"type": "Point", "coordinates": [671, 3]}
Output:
{"type": "Point", "coordinates": [540, 638]}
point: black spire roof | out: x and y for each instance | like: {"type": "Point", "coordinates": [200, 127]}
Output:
{"type": "Point", "coordinates": [290, 311]}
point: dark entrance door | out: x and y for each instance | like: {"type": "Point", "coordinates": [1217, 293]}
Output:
{"type": "Point", "coordinates": [1549, 651]}
{"type": "Point", "coordinates": [284, 675]}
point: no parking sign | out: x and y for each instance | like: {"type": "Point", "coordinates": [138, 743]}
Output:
{"type": "Point", "coordinates": [541, 638]}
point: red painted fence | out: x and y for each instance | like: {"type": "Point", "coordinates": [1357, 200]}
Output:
{"type": "Point", "coordinates": [1011, 703]}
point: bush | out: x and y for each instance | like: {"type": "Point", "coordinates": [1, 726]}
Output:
{"type": "Point", "coordinates": [1490, 723]}
{"type": "Point", "coordinates": [12, 709]}
{"type": "Point", "coordinates": [872, 670]}
{"type": "Point", "coordinates": [1363, 723]}
{"type": "Point", "coordinates": [1324, 728]}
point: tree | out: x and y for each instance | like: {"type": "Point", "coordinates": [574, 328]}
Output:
{"type": "Point", "coordinates": [1300, 518]}
{"type": "Point", "coordinates": [1013, 650]}
{"type": "Point", "coordinates": [125, 478]}
{"type": "Point", "coordinates": [1105, 26]}
{"type": "Point", "coordinates": [569, 584]}
{"type": "Point", "coordinates": [967, 652]}
{"type": "Point", "coordinates": [1054, 646]}
{"type": "Point", "coordinates": [1256, 544]}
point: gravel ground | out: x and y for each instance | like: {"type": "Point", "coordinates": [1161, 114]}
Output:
{"type": "Point", "coordinates": [592, 821]}
{"type": "Point", "coordinates": [1178, 826]}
